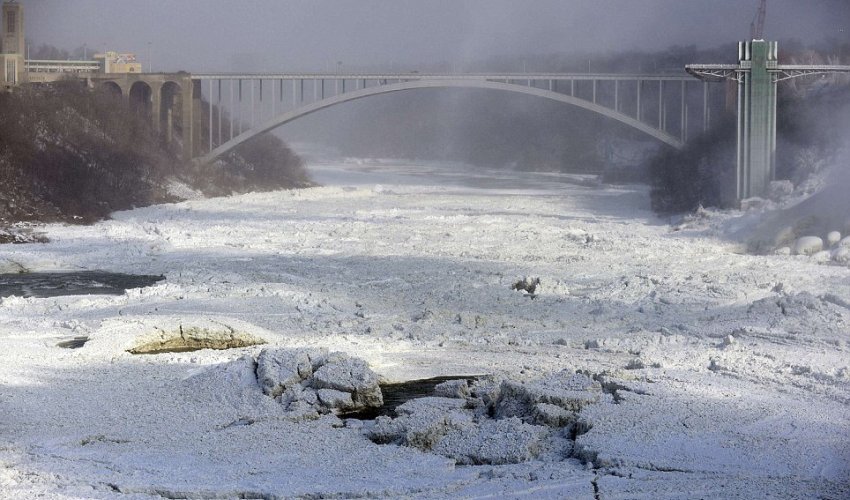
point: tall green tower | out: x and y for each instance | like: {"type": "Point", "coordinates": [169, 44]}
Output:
{"type": "Point", "coordinates": [756, 117]}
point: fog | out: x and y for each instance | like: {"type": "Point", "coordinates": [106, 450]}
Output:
{"type": "Point", "coordinates": [433, 35]}
{"type": "Point", "coordinates": [320, 35]}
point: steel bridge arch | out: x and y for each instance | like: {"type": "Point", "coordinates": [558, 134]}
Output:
{"type": "Point", "coordinates": [327, 102]}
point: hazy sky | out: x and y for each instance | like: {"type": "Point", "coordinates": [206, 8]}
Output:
{"type": "Point", "coordinates": [281, 35]}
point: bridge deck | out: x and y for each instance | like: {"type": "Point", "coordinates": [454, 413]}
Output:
{"type": "Point", "coordinates": [443, 76]}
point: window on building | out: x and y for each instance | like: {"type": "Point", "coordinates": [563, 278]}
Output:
{"type": "Point", "coordinates": [10, 21]}
{"type": "Point", "coordinates": [11, 71]}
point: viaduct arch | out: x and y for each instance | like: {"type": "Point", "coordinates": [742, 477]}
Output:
{"type": "Point", "coordinates": [172, 101]}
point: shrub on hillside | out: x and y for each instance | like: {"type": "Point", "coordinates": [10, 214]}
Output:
{"type": "Point", "coordinates": [67, 152]}
{"type": "Point", "coordinates": [263, 163]}
{"type": "Point", "coordinates": [700, 174]}
{"type": "Point", "coordinates": [84, 153]}
{"type": "Point", "coordinates": [810, 129]}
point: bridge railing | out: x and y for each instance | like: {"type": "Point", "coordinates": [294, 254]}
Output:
{"type": "Point", "coordinates": [56, 66]}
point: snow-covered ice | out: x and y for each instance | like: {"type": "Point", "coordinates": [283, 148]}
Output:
{"type": "Point", "coordinates": [650, 361]}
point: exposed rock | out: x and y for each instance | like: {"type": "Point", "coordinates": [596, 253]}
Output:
{"type": "Point", "coordinates": [318, 381]}
{"type": "Point", "coordinates": [808, 245]}
{"type": "Point", "coordinates": [783, 251]}
{"type": "Point", "coordinates": [301, 410]}
{"type": "Point", "coordinates": [421, 423]}
{"type": "Point", "coordinates": [452, 389]}
{"type": "Point", "coordinates": [492, 423]}
{"type": "Point", "coordinates": [334, 399]}
{"type": "Point", "coordinates": [570, 393]}
{"type": "Point", "coordinates": [527, 285]}
{"type": "Point", "coordinates": [845, 242]}
{"type": "Point", "coordinates": [494, 442]}
{"type": "Point", "coordinates": [280, 369]}
{"type": "Point", "coordinates": [350, 375]}
{"type": "Point", "coordinates": [211, 335]}
{"type": "Point", "coordinates": [552, 415]}
{"type": "Point", "coordinates": [436, 405]}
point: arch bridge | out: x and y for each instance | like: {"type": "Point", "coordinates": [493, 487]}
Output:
{"type": "Point", "coordinates": [237, 107]}
{"type": "Point", "coordinates": [216, 112]}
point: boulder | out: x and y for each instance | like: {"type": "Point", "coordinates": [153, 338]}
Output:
{"type": "Point", "coordinates": [280, 369]}
{"type": "Point", "coordinates": [494, 442]}
{"type": "Point", "coordinates": [350, 375]}
{"type": "Point", "coordinates": [841, 255]}
{"type": "Point", "coordinates": [552, 415]}
{"type": "Point", "coordinates": [452, 389]}
{"type": "Point", "coordinates": [822, 256]}
{"type": "Point", "coordinates": [318, 381]}
{"type": "Point", "coordinates": [334, 399]}
{"type": "Point", "coordinates": [569, 392]}
{"type": "Point", "coordinates": [833, 237]}
{"type": "Point", "coordinates": [421, 422]}
{"type": "Point", "coordinates": [808, 245]}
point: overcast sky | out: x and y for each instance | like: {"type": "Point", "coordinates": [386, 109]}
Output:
{"type": "Point", "coordinates": [291, 35]}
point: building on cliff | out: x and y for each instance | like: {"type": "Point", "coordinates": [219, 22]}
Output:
{"type": "Point", "coordinates": [12, 45]}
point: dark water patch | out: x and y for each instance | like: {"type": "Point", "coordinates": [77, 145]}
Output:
{"type": "Point", "coordinates": [74, 343]}
{"type": "Point", "coordinates": [399, 393]}
{"type": "Point", "coordinates": [72, 283]}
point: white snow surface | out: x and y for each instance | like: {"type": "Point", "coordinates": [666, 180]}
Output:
{"type": "Point", "coordinates": [726, 375]}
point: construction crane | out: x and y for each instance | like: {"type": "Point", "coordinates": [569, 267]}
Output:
{"type": "Point", "coordinates": [757, 26]}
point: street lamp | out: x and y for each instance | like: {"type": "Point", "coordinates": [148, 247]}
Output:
{"type": "Point", "coordinates": [150, 58]}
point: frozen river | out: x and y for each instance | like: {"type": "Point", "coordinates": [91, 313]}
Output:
{"type": "Point", "coordinates": [717, 374]}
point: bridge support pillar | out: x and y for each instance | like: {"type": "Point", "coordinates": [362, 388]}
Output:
{"type": "Point", "coordinates": [187, 119]}
{"type": "Point", "coordinates": [156, 104]}
{"type": "Point", "coordinates": [756, 118]}
{"type": "Point", "coordinates": [197, 115]}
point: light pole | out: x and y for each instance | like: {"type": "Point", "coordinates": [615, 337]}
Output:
{"type": "Point", "coordinates": [150, 58]}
